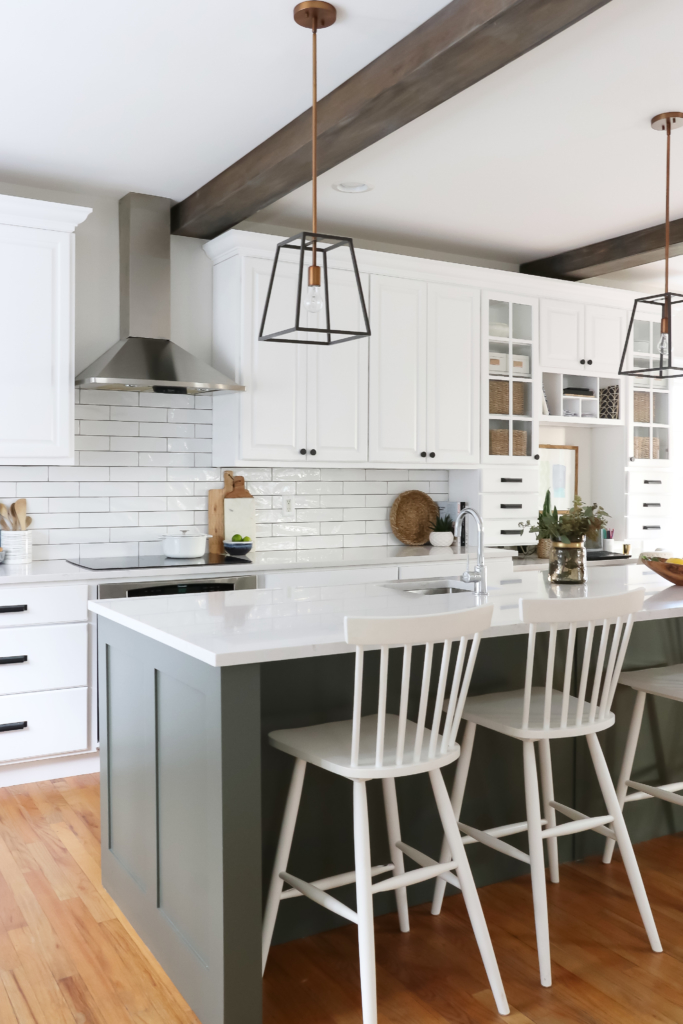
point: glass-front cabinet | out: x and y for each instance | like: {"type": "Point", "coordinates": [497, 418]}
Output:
{"type": "Point", "coordinates": [649, 436]}
{"type": "Point", "coordinates": [510, 347]}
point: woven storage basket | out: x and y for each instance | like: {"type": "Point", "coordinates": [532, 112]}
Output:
{"type": "Point", "coordinates": [499, 397]}
{"type": "Point", "coordinates": [411, 517]}
{"type": "Point", "coordinates": [499, 441]}
{"type": "Point", "coordinates": [609, 402]}
{"type": "Point", "coordinates": [641, 448]}
{"type": "Point", "coordinates": [641, 406]}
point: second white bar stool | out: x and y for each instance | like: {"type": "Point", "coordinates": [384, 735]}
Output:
{"type": "Point", "coordinates": [540, 714]}
{"type": "Point", "coordinates": [387, 746]}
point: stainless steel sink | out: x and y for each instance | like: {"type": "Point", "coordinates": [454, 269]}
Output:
{"type": "Point", "coordinates": [428, 588]}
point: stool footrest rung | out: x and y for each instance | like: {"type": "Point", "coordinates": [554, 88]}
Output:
{"type": "Point", "coordinates": [424, 861]}
{"type": "Point", "coordinates": [503, 830]}
{"type": "Point", "coordinates": [321, 897]}
{"type": "Point", "coordinates": [486, 839]}
{"type": "Point", "coordinates": [334, 881]}
{"type": "Point", "coordinates": [579, 823]}
{"type": "Point", "coordinates": [413, 877]}
{"type": "Point", "coordinates": [661, 792]}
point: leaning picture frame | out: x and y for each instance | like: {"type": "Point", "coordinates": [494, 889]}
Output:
{"type": "Point", "coordinates": [559, 474]}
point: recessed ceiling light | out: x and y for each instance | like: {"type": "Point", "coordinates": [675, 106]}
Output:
{"type": "Point", "coordinates": [352, 186]}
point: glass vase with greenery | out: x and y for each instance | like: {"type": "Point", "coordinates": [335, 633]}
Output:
{"type": "Point", "coordinates": [568, 533]}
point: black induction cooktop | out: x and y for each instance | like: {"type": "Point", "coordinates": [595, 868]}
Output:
{"type": "Point", "coordinates": [157, 562]}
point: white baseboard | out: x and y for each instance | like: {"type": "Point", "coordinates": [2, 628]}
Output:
{"type": "Point", "coordinates": [49, 768]}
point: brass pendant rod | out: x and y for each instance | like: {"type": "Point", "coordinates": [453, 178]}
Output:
{"type": "Point", "coordinates": [666, 229]}
{"type": "Point", "coordinates": [314, 137]}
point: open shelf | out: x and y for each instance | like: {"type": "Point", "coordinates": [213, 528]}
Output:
{"type": "Point", "coordinates": [573, 398]}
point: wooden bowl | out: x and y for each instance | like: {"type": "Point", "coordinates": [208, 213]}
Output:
{"type": "Point", "coordinates": [671, 573]}
{"type": "Point", "coordinates": [411, 517]}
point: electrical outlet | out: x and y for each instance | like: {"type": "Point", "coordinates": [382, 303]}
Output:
{"type": "Point", "coordinates": [288, 506]}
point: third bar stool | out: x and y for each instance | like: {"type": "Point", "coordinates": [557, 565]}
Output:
{"type": "Point", "coordinates": [539, 714]}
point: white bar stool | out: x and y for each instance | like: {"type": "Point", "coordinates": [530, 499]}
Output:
{"type": "Point", "coordinates": [539, 714]}
{"type": "Point", "coordinates": [386, 747]}
{"type": "Point", "coordinates": [662, 682]}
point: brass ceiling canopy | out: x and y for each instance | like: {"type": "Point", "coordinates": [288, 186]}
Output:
{"type": "Point", "coordinates": [312, 310]}
{"type": "Point", "coordinates": [661, 366]}
{"type": "Point", "coordinates": [315, 14]}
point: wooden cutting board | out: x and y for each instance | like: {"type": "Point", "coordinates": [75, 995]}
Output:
{"type": "Point", "coordinates": [230, 505]}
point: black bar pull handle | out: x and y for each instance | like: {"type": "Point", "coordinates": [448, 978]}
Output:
{"type": "Point", "coordinates": [652, 481]}
{"type": "Point", "coordinates": [13, 726]}
{"type": "Point", "coordinates": [13, 608]}
{"type": "Point", "coordinates": [15, 660]}
{"type": "Point", "coordinates": [511, 480]}
{"type": "Point", "coordinates": [510, 506]}
{"type": "Point", "coordinates": [512, 533]}
{"type": "Point", "coordinates": [652, 504]}
{"type": "Point", "coordinates": [652, 527]}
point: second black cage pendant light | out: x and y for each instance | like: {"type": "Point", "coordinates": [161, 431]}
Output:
{"type": "Point", "coordinates": [305, 307]}
{"type": "Point", "coordinates": [661, 366]}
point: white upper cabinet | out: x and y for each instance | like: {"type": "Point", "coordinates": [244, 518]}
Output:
{"type": "Point", "coordinates": [398, 370]}
{"type": "Point", "coordinates": [423, 372]}
{"type": "Point", "coordinates": [562, 335]}
{"type": "Point", "coordinates": [37, 331]}
{"type": "Point", "coordinates": [605, 336]}
{"type": "Point", "coordinates": [303, 403]}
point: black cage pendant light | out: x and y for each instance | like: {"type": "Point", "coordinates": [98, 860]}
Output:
{"type": "Point", "coordinates": [303, 308]}
{"type": "Point", "coordinates": [662, 364]}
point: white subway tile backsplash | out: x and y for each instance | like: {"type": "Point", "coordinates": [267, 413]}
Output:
{"type": "Point", "coordinates": [143, 465]}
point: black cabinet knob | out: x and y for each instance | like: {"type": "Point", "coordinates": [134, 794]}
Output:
{"type": "Point", "coordinates": [582, 361]}
{"type": "Point", "coordinates": [423, 455]}
{"type": "Point", "coordinates": [537, 456]}
{"type": "Point", "coordinates": [632, 459]}
{"type": "Point", "coordinates": [590, 362]}
{"type": "Point", "coordinates": [313, 452]}
{"type": "Point", "coordinates": [302, 451]}
{"type": "Point", "coordinates": [432, 455]}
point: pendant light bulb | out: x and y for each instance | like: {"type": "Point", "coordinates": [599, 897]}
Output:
{"type": "Point", "coordinates": [313, 302]}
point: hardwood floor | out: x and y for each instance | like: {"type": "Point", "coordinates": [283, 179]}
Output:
{"type": "Point", "coordinates": [68, 956]}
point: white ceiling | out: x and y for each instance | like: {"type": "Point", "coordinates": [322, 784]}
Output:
{"type": "Point", "coordinates": [552, 152]}
{"type": "Point", "coordinates": [115, 96]}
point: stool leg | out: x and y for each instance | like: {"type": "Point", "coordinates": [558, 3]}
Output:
{"type": "Point", "coordinates": [627, 763]}
{"type": "Point", "coordinates": [548, 811]}
{"type": "Point", "coordinates": [469, 889]}
{"type": "Point", "coordinates": [457, 795]}
{"type": "Point", "coordinates": [533, 817]}
{"type": "Point", "coordinates": [284, 845]}
{"type": "Point", "coordinates": [619, 825]}
{"type": "Point", "coordinates": [394, 834]}
{"type": "Point", "coordinates": [366, 920]}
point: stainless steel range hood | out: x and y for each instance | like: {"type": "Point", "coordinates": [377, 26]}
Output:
{"type": "Point", "coordinates": [145, 359]}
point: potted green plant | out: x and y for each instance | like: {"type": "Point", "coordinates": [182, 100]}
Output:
{"type": "Point", "coordinates": [542, 529]}
{"type": "Point", "coordinates": [568, 533]}
{"type": "Point", "coordinates": [443, 532]}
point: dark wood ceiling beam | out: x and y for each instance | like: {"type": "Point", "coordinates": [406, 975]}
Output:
{"type": "Point", "coordinates": [632, 250]}
{"type": "Point", "coordinates": [463, 43]}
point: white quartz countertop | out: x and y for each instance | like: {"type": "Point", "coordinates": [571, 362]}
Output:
{"type": "Point", "coordinates": [58, 571]}
{"type": "Point", "coordinates": [245, 627]}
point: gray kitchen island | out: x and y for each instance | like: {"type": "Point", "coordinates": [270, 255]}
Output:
{"type": "Point", "coordinates": [192, 795]}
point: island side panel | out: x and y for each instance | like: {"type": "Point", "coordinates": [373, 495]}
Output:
{"type": "Point", "coordinates": [180, 816]}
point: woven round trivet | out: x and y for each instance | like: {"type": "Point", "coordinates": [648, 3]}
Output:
{"type": "Point", "coordinates": [411, 517]}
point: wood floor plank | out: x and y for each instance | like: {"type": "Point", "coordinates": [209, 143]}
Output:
{"type": "Point", "coordinates": [41, 991]}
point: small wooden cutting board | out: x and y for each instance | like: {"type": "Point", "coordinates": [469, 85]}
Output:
{"type": "Point", "coordinates": [233, 488]}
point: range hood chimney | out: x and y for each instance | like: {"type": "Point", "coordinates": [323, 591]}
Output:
{"type": "Point", "coordinates": [145, 359]}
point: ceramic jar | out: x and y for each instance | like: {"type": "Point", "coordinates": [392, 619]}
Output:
{"type": "Point", "coordinates": [17, 545]}
{"type": "Point", "coordinates": [567, 562]}
{"type": "Point", "coordinates": [441, 538]}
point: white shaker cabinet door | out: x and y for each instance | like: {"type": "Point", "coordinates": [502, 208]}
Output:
{"type": "Point", "coordinates": [398, 370]}
{"type": "Point", "coordinates": [452, 374]}
{"type": "Point", "coordinates": [561, 335]}
{"type": "Point", "coordinates": [605, 336]}
{"type": "Point", "coordinates": [36, 349]}
{"type": "Point", "coordinates": [337, 382]}
{"type": "Point", "coordinates": [273, 407]}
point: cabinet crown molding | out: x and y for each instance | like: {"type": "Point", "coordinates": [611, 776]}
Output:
{"type": "Point", "coordinates": [37, 213]}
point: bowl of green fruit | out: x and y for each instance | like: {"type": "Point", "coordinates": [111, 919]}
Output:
{"type": "Point", "coordinates": [238, 545]}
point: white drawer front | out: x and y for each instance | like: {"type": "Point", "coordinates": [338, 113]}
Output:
{"type": "Point", "coordinates": [495, 506]}
{"type": "Point", "coordinates": [56, 658]}
{"type": "Point", "coordinates": [653, 531]}
{"type": "Point", "coordinates": [648, 505]}
{"type": "Point", "coordinates": [647, 481]}
{"type": "Point", "coordinates": [56, 723]}
{"type": "Point", "coordinates": [506, 533]}
{"type": "Point", "coordinates": [509, 479]}
{"type": "Point", "coordinates": [27, 606]}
